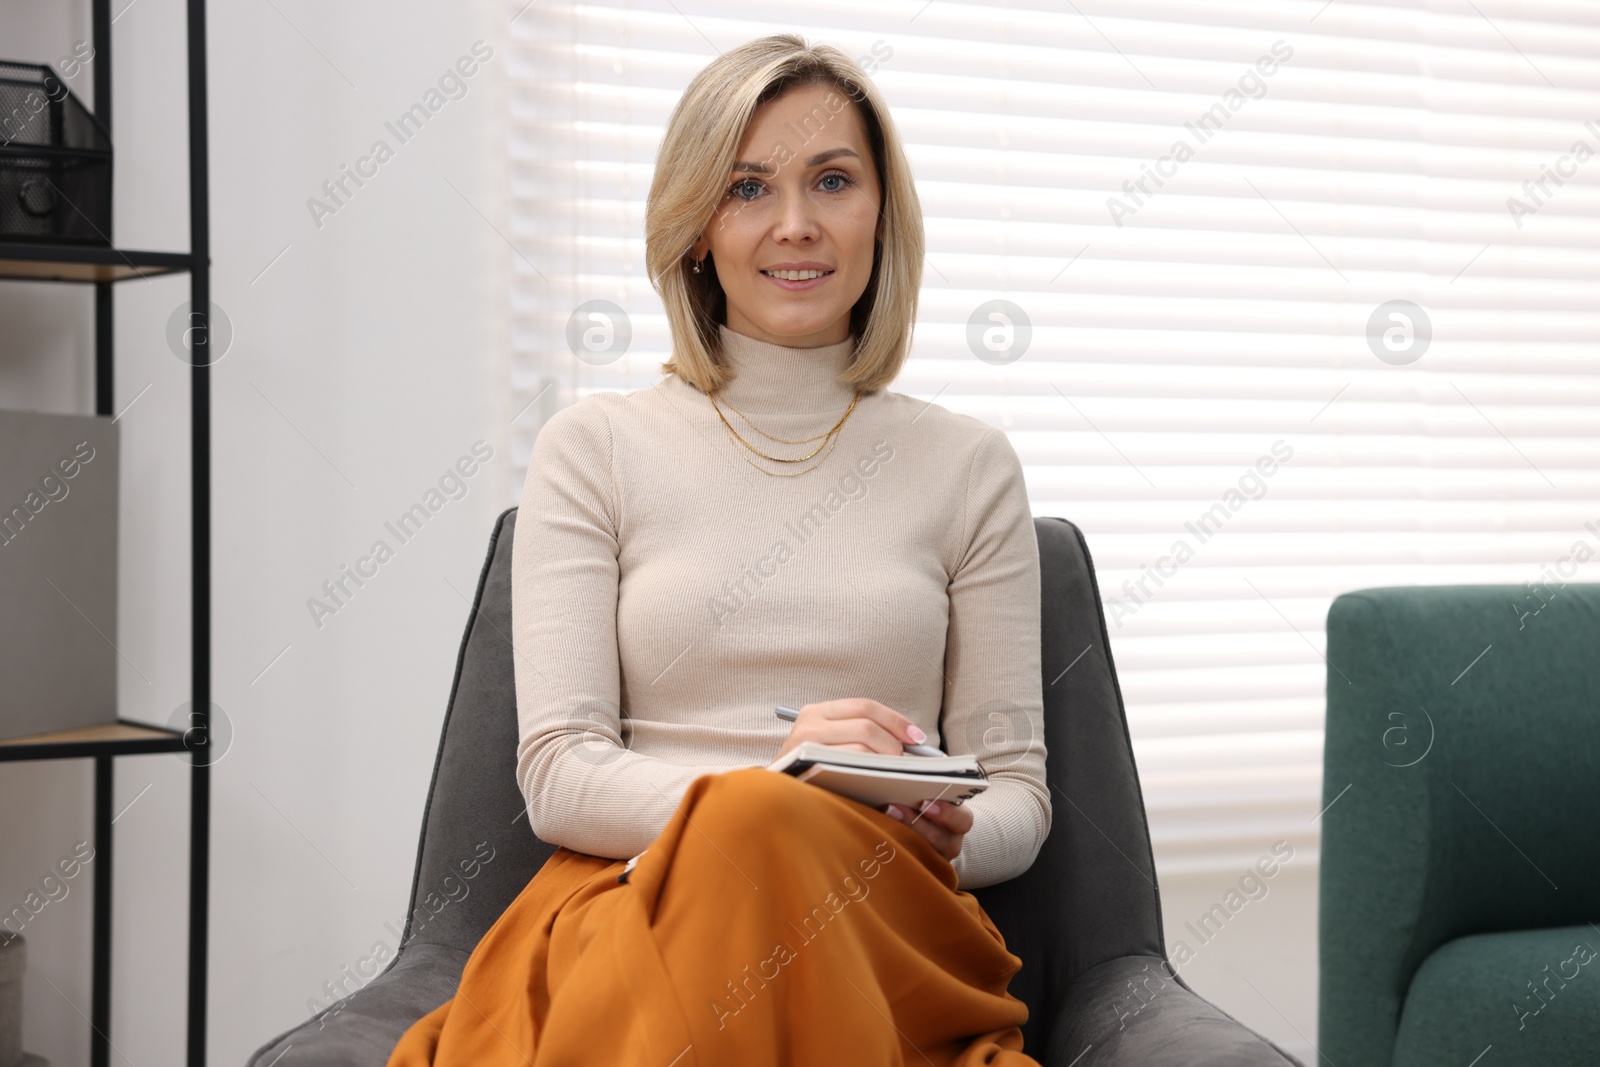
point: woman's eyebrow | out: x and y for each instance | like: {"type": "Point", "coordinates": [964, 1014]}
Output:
{"type": "Point", "coordinates": [820, 157]}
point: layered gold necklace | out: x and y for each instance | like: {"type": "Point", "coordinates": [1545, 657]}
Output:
{"type": "Point", "coordinates": [829, 439]}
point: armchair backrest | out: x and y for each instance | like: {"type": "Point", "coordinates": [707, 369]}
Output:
{"type": "Point", "coordinates": [1089, 897]}
{"type": "Point", "coordinates": [474, 806]}
{"type": "Point", "coordinates": [1091, 894]}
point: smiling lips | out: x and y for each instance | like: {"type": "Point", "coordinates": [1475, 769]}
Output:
{"type": "Point", "coordinates": [807, 276]}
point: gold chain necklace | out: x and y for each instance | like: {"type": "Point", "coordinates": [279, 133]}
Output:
{"type": "Point", "coordinates": [780, 440]}
{"type": "Point", "coordinates": [796, 474]}
{"type": "Point", "coordinates": [831, 435]}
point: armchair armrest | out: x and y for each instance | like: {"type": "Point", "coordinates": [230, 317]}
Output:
{"type": "Point", "coordinates": [363, 1028]}
{"type": "Point", "coordinates": [1133, 1012]}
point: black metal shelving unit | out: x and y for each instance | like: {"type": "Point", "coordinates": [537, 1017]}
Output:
{"type": "Point", "coordinates": [103, 268]}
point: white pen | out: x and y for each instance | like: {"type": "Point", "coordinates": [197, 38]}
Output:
{"type": "Point", "coordinates": [792, 714]}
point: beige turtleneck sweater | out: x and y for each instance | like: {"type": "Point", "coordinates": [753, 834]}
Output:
{"type": "Point", "coordinates": [667, 595]}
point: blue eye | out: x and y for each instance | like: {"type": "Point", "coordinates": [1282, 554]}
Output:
{"type": "Point", "coordinates": [845, 180]}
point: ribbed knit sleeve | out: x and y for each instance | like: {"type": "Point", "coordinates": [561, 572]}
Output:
{"type": "Point", "coordinates": [583, 788]}
{"type": "Point", "coordinates": [994, 700]}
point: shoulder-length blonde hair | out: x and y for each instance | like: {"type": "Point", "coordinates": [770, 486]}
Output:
{"type": "Point", "coordinates": [692, 172]}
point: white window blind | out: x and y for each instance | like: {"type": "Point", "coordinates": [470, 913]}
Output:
{"type": "Point", "coordinates": [1207, 332]}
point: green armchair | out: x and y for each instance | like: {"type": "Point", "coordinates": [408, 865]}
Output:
{"type": "Point", "coordinates": [1459, 920]}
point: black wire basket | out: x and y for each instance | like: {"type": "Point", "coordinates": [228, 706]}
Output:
{"type": "Point", "coordinates": [55, 161]}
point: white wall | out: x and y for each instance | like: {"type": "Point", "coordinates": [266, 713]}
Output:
{"type": "Point", "coordinates": [366, 360]}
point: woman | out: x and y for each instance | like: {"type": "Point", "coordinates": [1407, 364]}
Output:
{"type": "Point", "coordinates": [767, 525]}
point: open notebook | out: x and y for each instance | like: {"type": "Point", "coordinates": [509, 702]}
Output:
{"type": "Point", "coordinates": [876, 779]}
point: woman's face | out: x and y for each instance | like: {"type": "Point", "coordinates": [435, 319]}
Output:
{"type": "Point", "coordinates": [797, 205]}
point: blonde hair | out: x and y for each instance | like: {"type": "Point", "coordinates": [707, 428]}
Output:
{"type": "Point", "coordinates": [692, 172]}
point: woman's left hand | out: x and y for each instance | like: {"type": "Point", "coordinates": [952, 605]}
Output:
{"type": "Point", "coordinates": [941, 822]}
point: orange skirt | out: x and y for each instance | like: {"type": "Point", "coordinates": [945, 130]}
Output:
{"type": "Point", "coordinates": [771, 922]}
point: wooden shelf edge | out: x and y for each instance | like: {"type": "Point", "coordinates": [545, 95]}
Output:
{"type": "Point", "coordinates": [82, 263]}
{"type": "Point", "coordinates": [122, 737]}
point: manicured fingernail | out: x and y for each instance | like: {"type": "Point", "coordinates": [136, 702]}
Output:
{"type": "Point", "coordinates": [916, 734]}
{"type": "Point", "coordinates": [894, 813]}
{"type": "Point", "coordinates": [932, 809]}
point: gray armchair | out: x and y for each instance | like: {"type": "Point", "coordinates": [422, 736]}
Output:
{"type": "Point", "coordinates": [1085, 918]}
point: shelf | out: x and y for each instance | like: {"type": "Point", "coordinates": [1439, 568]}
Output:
{"type": "Point", "coordinates": [35, 260]}
{"type": "Point", "coordinates": [80, 263]}
{"type": "Point", "coordinates": [120, 738]}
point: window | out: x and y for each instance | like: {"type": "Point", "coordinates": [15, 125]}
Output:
{"type": "Point", "coordinates": [1202, 217]}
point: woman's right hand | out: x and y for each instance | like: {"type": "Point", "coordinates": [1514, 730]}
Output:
{"type": "Point", "coordinates": [854, 723]}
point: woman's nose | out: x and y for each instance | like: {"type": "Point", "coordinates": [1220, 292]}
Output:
{"type": "Point", "coordinates": [796, 217]}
